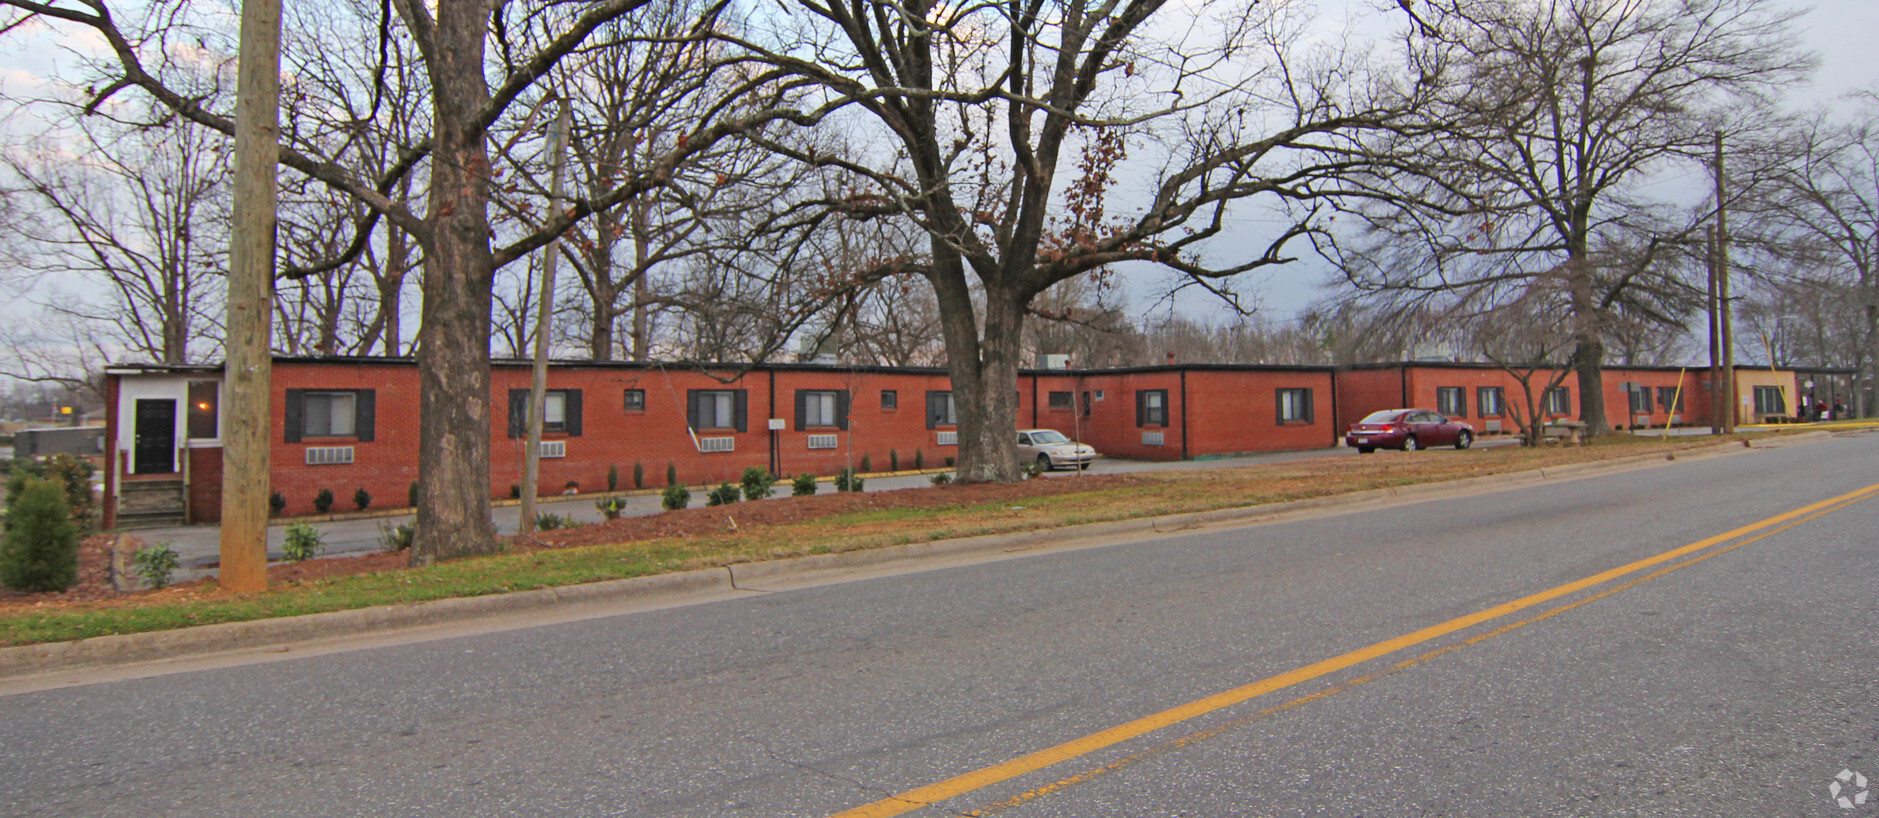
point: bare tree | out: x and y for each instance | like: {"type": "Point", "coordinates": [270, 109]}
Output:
{"type": "Point", "coordinates": [1823, 209]}
{"type": "Point", "coordinates": [139, 216]}
{"type": "Point", "coordinates": [1001, 130]}
{"type": "Point", "coordinates": [1553, 117]}
{"type": "Point", "coordinates": [482, 76]}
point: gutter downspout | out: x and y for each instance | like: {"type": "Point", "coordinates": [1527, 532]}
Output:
{"type": "Point", "coordinates": [776, 453]}
{"type": "Point", "coordinates": [1403, 380]}
{"type": "Point", "coordinates": [1184, 453]}
{"type": "Point", "coordinates": [1034, 400]}
{"type": "Point", "coordinates": [1335, 437]}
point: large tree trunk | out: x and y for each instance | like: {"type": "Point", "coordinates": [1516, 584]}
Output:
{"type": "Point", "coordinates": [1591, 371]}
{"type": "Point", "coordinates": [984, 372]}
{"type": "Point", "coordinates": [453, 353]}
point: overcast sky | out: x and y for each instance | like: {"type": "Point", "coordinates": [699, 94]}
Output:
{"type": "Point", "coordinates": [1841, 32]}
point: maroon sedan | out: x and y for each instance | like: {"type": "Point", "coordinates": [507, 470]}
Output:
{"type": "Point", "coordinates": [1407, 429]}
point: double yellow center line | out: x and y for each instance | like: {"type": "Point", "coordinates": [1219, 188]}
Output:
{"type": "Point", "coordinates": [1031, 762]}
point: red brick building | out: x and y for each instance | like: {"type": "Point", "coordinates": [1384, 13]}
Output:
{"type": "Point", "coordinates": [344, 424]}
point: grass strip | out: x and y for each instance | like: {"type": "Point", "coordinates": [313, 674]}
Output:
{"type": "Point", "coordinates": [1161, 493]}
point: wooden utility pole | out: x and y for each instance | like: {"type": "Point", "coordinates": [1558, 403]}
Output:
{"type": "Point", "coordinates": [249, 369]}
{"type": "Point", "coordinates": [1715, 334]}
{"type": "Point", "coordinates": [538, 387]}
{"type": "Point", "coordinates": [1722, 289]}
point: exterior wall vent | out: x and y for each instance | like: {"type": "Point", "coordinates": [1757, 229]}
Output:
{"type": "Point", "coordinates": [717, 444]}
{"type": "Point", "coordinates": [948, 439]}
{"type": "Point", "coordinates": [1152, 438]}
{"type": "Point", "coordinates": [554, 448]}
{"type": "Point", "coordinates": [823, 441]}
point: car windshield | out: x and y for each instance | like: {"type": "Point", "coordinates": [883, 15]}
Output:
{"type": "Point", "coordinates": [1048, 436]}
{"type": "Point", "coordinates": [1382, 417]}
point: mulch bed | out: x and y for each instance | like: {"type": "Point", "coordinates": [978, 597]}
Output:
{"type": "Point", "coordinates": [94, 587]}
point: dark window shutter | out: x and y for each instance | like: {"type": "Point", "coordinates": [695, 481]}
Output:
{"type": "Point", "coordinates": [571, 410]}
{"type": "Point", "coordinates": [365, 405]}
{"type": "Point", "coordinates": [1278, 406]}
{"type": "Point", "coordinates": [1309, 416]}
{"type": "Point", "coordinates": [841, 409]}
{"type": "Point", "coordinates": [1141, 407]}
{"type": "Point", "coordinates": [691, 408]}
{"type": "Point", "coordinates": [742, 399]}
{"type": "Point", "coordinates": [518, 412]}
{"type": "Point", "coordinates": [933, 409]}
{"type": "Point", "coordinates": [802, 410]}
{"type": "Point", "coordinates": [295, 414]}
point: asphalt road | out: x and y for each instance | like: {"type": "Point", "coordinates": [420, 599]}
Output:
{"type": "Point", "coordinates": [1737, 685]}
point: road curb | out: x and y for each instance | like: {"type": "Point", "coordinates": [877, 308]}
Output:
{"type": "Point", "coordinates": [99, 651]}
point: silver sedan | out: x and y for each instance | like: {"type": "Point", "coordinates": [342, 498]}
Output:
{"type": "Point", "coordinates": [1051, 449]}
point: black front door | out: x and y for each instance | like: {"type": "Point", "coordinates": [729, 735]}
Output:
{"type": "Point", "coordinates": [155, 451]}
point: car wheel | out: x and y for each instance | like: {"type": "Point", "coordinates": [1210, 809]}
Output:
{"type": "Point", "coordinates": [1043, 462]}
{"type": "Point", "coordinates": [1411, 444]}
{"type": "Point", "coordinates": [1464, 440]}
{"type": "Point", "coordinates": [1366, 449]}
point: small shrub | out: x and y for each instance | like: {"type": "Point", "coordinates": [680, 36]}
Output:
{"type": "Point", "coordinates": [867, 466]}
{"type": "Point", "coordinates": [758, 483]}
{"type": "Point", "coordinates": [848, 480]}
{"type": "Point", "coordinates": [411, 495]}
{"type": "Point", "coordinates": [671, 474]}
{"type": "Point", "coordinates": [398, 537]}
{"type": "Point", "coordinates": [1033, 469]}
{"type": "Point", "coordinates": [74, 477]}
{"type": "Point", "coordinates": [893, 460]}
{"type": "Point", "coordinates": [155, 563]}
{"type": "Point", "coordinates": [724, 495]}
{"type": "Point", "coordinates": [571, 487]}
{"type": "Point", "coordinates": [613, 478]}
{"type": "Point", "coordinates": [361, 498]}
{"type": "Point", "coordinates": [675, 497]}
{"type": "Point", "coordinates": [515, 491]}
{"type": "Point", "coordinates": [803, 486]}
{"type": "Point", "coordinates": [639, 475]}
{"type": "Point", "coordinates": [323, 500]}
{"type": "Point", "coordinates": [919, 460]}
{"type": "Point", "coordinates": [303, 543]}
{"type": "Point", "coordinates": [941, 478]}
{"type": "Point", "coordinates": [39, 551]}
{"type": "Point", "coordinates": [549, 521]}
{"type": "Point", "coordinates": [949, 462]}
{"type": "Point", "coordinates": [610, 507]}
{"type": "Point", "coordinates": [277, 503]}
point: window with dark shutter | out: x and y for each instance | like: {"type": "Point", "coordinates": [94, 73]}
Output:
{"type": "Point", "coordinates": [890, 400]}
{"type": "Point", "coordinates": [330, 413]}
{"type": "Point", "coordinates": [939, 410]}
{"type": "Point", "coordinates": [1294, 406]}
{"type": "Point", "coordinates": [1151, 407]}
{"type": "Point", "coordinates": [718, 409]}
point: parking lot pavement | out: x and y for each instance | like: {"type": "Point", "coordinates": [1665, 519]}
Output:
{"type": "Point", "coordinates": [198, 546]}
